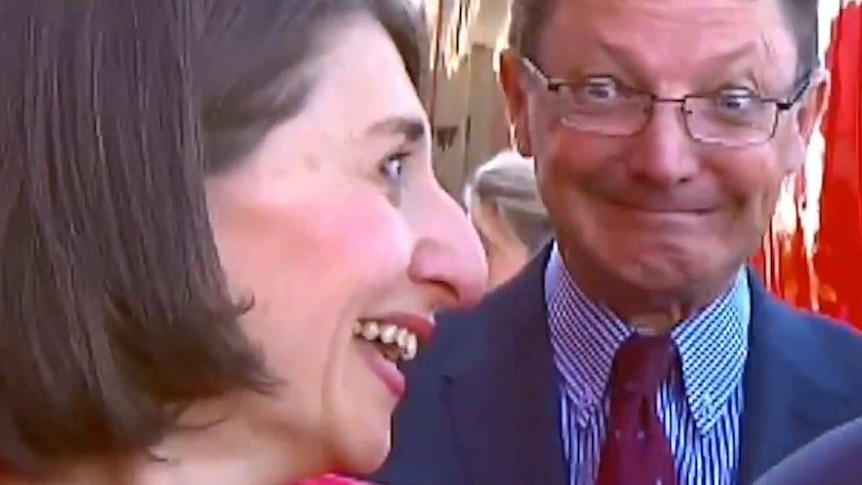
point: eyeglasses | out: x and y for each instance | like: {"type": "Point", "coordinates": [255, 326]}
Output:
{"type": "Point", "coordinates": [735, 117]}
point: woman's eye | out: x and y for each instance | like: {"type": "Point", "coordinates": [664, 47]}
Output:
{"type": "Point", "coordinates": [393, 168]}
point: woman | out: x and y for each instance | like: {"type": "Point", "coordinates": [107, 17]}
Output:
{"type": "Point", "coordinates": [506, 210]}
{"type": "Point", "coordinates": [219, 235]}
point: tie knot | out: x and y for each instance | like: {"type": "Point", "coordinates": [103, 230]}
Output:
{"type": "Point", "coordinates": [641, 364]}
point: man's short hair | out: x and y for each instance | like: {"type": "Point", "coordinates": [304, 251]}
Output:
{"type": "Point", "coordinates": [528, 18]}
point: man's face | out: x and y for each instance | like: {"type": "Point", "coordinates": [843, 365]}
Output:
{"type": "Point", "coordinates": [657, 209]}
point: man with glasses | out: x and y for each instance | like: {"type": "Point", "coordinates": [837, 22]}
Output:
{"type": "Point", "coordinates": [638, 348]}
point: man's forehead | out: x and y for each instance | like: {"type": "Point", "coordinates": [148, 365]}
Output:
{"type": "Point", "coordinates": [661, 34]}
{"type": "Point", "coordinates": [685, 7]}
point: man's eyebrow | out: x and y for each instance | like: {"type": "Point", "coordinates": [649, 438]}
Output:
{"type": "Point", "coordinates": [412, 128]}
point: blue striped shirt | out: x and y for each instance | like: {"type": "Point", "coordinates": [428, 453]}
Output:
{"type": "Point", "coordinates": [700, 404]}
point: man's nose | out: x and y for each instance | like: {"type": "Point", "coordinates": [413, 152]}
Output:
{"type": "Point", "coordinates": [662, 154]}
{"type": "Point", "coordinates": [449, 255]}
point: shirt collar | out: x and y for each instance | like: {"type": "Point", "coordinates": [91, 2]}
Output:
{"type": "Point", "coordinates": [712, 344]}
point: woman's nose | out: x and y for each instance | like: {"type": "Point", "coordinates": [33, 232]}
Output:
{"type": "Point", "coordinates": [449, 255]}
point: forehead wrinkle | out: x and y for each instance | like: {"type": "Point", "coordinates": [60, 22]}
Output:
{"type": "Point", "coordinates": [657, 25]}
{"type": "Point", "coordinates": [782, 73]}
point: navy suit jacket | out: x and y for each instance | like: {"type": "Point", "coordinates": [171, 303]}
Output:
{"type": "Point", "coordinates": [834, 459]}
{"type": "Point", "coordinates": [482, 406]}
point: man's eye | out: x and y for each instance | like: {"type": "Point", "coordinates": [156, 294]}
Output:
{"type": "Point", "coordinates": [597, 91]}
{"type": "Point", "coordinates": [601, 91]}
{"type": "Point", "coordinates": [736, 102]}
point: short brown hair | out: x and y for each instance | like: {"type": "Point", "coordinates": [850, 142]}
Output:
{"type": "Point", "coordinates": [114, 307]}
{"type": "Point", "coordinates": [528, 18]}
{"type": "Point", "coordinates": [245, 90]}
{"type": "Point", "coordinates": [112, 298]}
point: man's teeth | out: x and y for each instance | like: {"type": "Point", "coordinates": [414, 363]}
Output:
{"type": "Point", "coordinates": [401, 339]}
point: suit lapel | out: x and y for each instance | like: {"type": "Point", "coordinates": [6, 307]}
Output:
{"type": "Point", "coordinates": [504, 407]}
{"type": "Point", "coordinates": [786, 401]}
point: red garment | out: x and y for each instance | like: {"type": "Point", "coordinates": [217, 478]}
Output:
{"type": "Point", "coordinates": [829, 281]}
{"type": "Point", "coordinates": [332, 480]}
{"type": "Point", "coordinates": [839, 256]}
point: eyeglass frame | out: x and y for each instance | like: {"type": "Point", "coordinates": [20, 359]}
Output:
{"type": "Point", "coordinates": [800, 87]}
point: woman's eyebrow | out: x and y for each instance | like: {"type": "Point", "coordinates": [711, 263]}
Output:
{"type": "Point", "coordinates": [411, 128]}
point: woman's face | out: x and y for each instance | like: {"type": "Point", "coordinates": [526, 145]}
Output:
{"type": "Point", "coordinates": [335, 224]}
{"type": "Point", "coordinates": [505, 252]}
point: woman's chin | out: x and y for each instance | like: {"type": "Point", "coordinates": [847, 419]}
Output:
{"type": "Point", "coordinates": [362, 456]}
{"type": "Point", "coordinates": [362, 444]}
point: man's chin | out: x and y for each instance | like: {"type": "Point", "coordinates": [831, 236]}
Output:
{"type": "Point", "coordinates": [685, 282]}
{"type": "Point", "coordinates": [660, 279]}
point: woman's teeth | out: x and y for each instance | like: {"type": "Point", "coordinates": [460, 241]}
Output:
{"type": "Point", "coordinates": [396, 344]}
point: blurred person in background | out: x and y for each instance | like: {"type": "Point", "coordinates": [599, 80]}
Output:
{"type": "Point", "coordinates": [220, 236]}
{"type": "Point", "coordinates": [504, 205]}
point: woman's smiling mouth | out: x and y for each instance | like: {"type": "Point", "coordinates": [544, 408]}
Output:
{"type": "Point", "coordinates": [398, 337]}
{"type": "Point", "coordinates": [395, 343]}
{"type": "Point", "coordinates": [389, 341]}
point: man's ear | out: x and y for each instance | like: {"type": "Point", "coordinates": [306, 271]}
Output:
{"type": "Point", "coordinates": [813, 105]}
{"type": "Point", "coordinates": [512, 81]}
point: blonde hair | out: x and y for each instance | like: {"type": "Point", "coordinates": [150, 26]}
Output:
{"type": "Point", "coordinates": [506, 184]}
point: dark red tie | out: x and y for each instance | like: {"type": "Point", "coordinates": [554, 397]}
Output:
{"type": "Point", "coordinates": [636, 450]}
